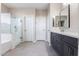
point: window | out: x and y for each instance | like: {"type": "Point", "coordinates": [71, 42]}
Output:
{"type": "Point", "coordinates": [5, 37]}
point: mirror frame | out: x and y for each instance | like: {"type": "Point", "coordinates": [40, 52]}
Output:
{"type": "Point", "coordinates": [69, 15]}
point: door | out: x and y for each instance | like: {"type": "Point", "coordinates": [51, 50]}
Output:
{"type": "Point", "coordinates": [29, 33]}
{"type": "Point", "coordinates": [41, 25]}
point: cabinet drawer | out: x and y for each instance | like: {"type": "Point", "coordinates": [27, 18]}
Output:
{"type": "Point", "coordinates": [71, 40]}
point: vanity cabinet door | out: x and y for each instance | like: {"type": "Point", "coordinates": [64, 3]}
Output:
{"type": "Point", "coordinates": [75, 51]}
{"type": "Point", "coordinates": [66, 50]}
{"type": "Point", "coordinates": [70, 50]}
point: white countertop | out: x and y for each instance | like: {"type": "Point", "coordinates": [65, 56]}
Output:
{"type": "Point", "coordinates": [67, 33]}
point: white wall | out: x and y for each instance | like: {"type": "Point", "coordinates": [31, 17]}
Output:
{"type": "Point", "coordinates": [22, 12]}
{"type": "Point", "coordinates": [74, 17]}
{"type": "Point", "coordinates": [4, 9]}
{"type": "Point", "coordinates": [55, 8]}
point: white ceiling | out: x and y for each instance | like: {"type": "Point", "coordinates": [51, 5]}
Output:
{"type": "Point", "coordinates": [27, 5]}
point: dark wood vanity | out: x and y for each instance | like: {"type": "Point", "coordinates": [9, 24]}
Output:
{"type": "Point", "coordinates": [64, 45]}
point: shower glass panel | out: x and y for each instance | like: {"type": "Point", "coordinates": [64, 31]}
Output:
{"type": "Point", "coordinates": [16, 30]}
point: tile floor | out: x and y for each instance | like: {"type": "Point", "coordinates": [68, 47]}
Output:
{"type": "Point", "coordinates": [40, 48]}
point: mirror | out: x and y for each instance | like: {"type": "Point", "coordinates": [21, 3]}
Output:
{"type": "Point", "coordinates": [63, 19]}
{"type": "Point", "coordinates": [56, 21]}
